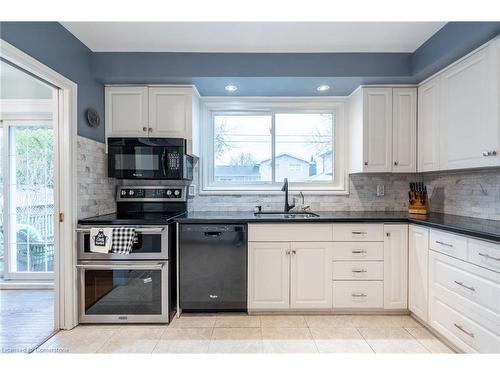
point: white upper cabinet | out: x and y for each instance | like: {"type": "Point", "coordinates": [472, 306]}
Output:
{"type": "Point", "coordinates": [126, 112]}
{"type": "Point", "coordinates": [156, 111]}
{"type": "Point", "coordinates": [382, 129]}
{"type": "Point", "coordinates": [418, 249]}
{"type": "Point", "coordinates": [404, 129]}
{"type": "Point", "coordinates": [396, 266]}
{"type": "Point", "coordinates": [377, 129]}
{"type": "Point", "coordinates": [428, 125]}
{"type": "Point", "coordinates": [170, 112]}
{"type": "Point", "coordinates": [458, 116]}
{"type": "Point", "coordinates": [469, 112]}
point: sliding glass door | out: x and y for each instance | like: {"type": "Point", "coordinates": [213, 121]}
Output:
{"type": "Point", "coordinates": [28, 201]}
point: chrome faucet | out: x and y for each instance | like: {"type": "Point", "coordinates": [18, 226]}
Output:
{"type": "Point", "coordinates": [288, 207]}
{"type": "Point", "coordinates": [304, 206]}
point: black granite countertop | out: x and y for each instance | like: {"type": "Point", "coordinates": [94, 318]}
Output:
{"type": "Point", "coordinates": [481, 228]}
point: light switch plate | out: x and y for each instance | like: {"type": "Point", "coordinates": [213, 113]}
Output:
{"type": "Point", "coordinates": [192, 190]}
{"type": "Point", "coordinates": [380, 190]}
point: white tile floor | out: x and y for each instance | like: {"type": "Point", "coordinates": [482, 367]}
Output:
{"type": "Point", "coordinates": [224, 333]}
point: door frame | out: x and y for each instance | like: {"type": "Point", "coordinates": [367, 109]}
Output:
{"type": "Point", "coordinates": [65, 312]}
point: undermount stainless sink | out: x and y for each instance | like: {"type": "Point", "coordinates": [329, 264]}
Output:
{"type": "Point", "coordinates": [286, 215]}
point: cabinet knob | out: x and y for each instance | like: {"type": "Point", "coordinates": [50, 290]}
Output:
{"type": "Point", "coordinates": [366, 163]}
{"type": "Point", "coordinates": [396, 163]}
{"type": "Point", "coordinates": [150, 130]}
{"type": "Point", "coordinates": [144, 129]}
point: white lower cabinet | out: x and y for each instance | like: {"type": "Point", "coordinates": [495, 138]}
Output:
{"type": "Point", "coordinates": [358, 294]}
{"type": "Point", "coordinates": [311, 275]}
{"type": "Point", "coordinates": [464, 303]}
{"type": "Point", "coordinates": [268, 275]}
{"type": "Point", "coordinates": [284, 275]}
{"type": "Point", "coordinates": [396, 266]}
{"type": "Point", "coordinates": [418, 257]}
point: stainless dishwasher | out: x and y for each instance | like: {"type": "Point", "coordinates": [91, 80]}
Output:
{"type": "Point", "coordinates": [213, 267]}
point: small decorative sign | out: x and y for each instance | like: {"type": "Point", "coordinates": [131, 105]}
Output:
{"type": "Point", "coordinates": [100, 239]}
{"type": "Point", "coordinates": [93, 118]}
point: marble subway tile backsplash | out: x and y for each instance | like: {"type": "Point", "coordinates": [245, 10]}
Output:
{"type": "Point", "coordinates": [362, 197]}
{"type": "Point", "coordinates": [96, 192]}
{"type": "Point", "coordinates": [474, 193]}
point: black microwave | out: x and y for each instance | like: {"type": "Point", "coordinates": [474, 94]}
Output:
{"type": "Point", "coordinates": [149, 159]}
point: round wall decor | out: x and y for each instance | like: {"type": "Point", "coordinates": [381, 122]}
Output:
{"type": "Point", "coordinates": [93, 118]}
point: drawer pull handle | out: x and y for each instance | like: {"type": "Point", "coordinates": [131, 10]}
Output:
{"type": "Point", "coordinates": [358, 233]}
{"type": "Point", "coordinates": [465, 286]}
{"type": "Point", "coordinates": [358, 294]}
{"type": "Point", "coordinates": [358, 271]}
{"type": "Point", "coordinates": [489, 257]}
{"type": "Point", "coordinates": [358, 252]}
{"type": "Point", "coordinates": [463, 330]}
{"type": "Point", "coordinates": [213, 296]}
{"type": "Point", "coordinates": [444, 243]}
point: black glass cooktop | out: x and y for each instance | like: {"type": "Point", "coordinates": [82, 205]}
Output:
{"type": "Point", "coordinates": [159, 218]}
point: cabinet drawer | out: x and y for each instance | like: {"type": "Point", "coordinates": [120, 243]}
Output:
{"type": "Point", "coordinates": [358, 232]}
{"type": "Point", "coordinates": [460, 330]}
{"type": "Point", "coordinates": [358, 294]}
{"type": "Point", "coordinates": [448, 243]}
{"type": "Point", "coordinates": [358, 251]}
{"type": "Point", "coordinates": [358, 270]}
{"type": "Point", "coordinates": [469, 281]}
{"type": "Point", "coordinates": [484, 254]}
{"type": "Point", "coordinates": [290, 232]}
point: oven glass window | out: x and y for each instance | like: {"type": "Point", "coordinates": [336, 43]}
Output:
{"type": "Point", "coordinates": [123, 292]}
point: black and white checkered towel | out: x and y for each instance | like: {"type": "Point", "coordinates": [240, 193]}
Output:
{"type": "Point", "coordinates": [123, 240]}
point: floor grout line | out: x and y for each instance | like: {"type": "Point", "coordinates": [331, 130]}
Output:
{"type": "Point", "coordinates": [364, 338]}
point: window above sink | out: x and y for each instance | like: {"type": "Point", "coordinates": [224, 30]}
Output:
{"type": "Point", "coordinates": [249, 146]}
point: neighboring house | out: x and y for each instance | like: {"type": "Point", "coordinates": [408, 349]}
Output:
{"type": "Point", "coordinates": [289, 166]}
{"type": "Point", "coordinates": [325, 163]}
{"type": "Point", "coordinates": [236, 173]}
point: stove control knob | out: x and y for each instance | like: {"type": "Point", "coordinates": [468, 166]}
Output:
{"type": "Point", "coordinates": [131, 193]}
{"type": "Point", "coordinates": [169, 193]}
{"type": "Point", "coordinates": [177, 192]}
{"type": "Point", "coordinates": [124, 192]}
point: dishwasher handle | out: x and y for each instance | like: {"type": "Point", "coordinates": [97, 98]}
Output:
{"type": "Point", "coordinates": [213, 234]}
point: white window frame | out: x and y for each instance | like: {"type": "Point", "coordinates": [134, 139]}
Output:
{"type": "Point", "coordinates": [212, 106]}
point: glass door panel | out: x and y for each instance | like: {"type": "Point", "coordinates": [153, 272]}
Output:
{"type": "Point", "coordinates": [31, 199]}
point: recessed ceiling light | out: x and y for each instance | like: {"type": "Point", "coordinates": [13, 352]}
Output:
{"type": "Point", "coordinates": [231, 88]}
{"type": "Point", "coordinates": [323, 88]}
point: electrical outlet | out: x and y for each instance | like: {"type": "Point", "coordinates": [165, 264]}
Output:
{"type": "Point", "coordinates": [192, 190]}
{"type": "Point", "coordinates": [380, 190]}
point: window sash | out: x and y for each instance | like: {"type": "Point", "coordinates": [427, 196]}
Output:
{"type": "Point", "coordinates": [336, 186]}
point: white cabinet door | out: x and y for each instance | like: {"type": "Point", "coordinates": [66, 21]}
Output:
{"type": "Point", "coordinates": [469, 105]}
{"type": "Point", "coordinates": [268, 275]}
{"type": "Point", "coordinates": [311, 275]}
{"type": "Point", "coordinates": [428, 125]}
{"type": "Point", "coordinates": [418, 249]}
{"type": "Point", "coordinates": [396, 266]}
{"type": "Point", "coordinates": [126, 111]}
{"type": "Point", "coordinates": [377, 129]}
{"type": "Point", "coordinates": [404, 129]}
{"type": "Point", "coordinates": [170, 112]}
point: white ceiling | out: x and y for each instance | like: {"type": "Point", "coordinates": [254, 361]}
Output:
{"type": "Point", "coordinates": [253, 36]}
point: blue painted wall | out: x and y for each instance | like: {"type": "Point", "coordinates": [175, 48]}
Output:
{"type": "Point", "coordinates": [56, 47]}
{"type": "Point", "coordinates": [256, 74]}
{"type": "Point", "coordinates": [453, 41]}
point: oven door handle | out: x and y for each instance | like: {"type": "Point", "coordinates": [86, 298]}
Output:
{"type": "Point", "coordinates": [138, 230]}
{"type": "Point", "coordinates": [115, 266]}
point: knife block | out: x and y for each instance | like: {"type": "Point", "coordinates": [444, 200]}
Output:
{"type": "Point", "coordinates": [419, 204]}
